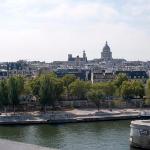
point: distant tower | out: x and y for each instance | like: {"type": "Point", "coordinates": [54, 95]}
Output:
{"type": "Point", "coordinates": [84, 56]}
{"type": "Point", "coordinates": [69, 57]}
{"type": "Point", "coordinates": [77, 60]}
{"type": "Point", "coordinates": [106, 54]}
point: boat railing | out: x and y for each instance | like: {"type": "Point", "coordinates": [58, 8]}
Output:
{"type": "Point", "coordinates": [145, 113]}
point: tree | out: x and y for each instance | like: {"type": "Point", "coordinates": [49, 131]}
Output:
{"type": "Point", "coordinates": [20, 84]}
{"type": "Point", "coordinates": [35, 86]}
{"type": "Point", "coordinates": [15, 89]}
{"type": "Point", "coordinates": [67, 80]}
{"type": "Point", "coordinates": [147, 89]}
{"type": "Point", "coordinates": [4, 101]}
{"type": "Point", "coordinates": [27, 87]}
{"type": "Point", "coordinates": [147, 92]}
{"type": "Point", "coordinates": [132, 89]}
{"type": "Point", "coordinates": [50, 90]}
{"type": "Point", "coordinates": [120, 79]}
{"type": "Point", "coordinates": [127, 90]}
{"type": "Point", "coordinates": [108, 88]}
{"type": "Point", "coordinates": [58, 88]}
{"type": "Point", "coordinates": [118, 83]}
{"type": "Point", "coordinates": [79, 89]}
{"type": "Point", "coordinates": [96, 96]}
{"type": "Point", "coordinates": [138, 89]}
{"type": "Point", "coordinates": [45, 91]}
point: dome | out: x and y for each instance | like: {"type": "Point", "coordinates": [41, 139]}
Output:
{"type": "Point", "coordinates": [106, 47]}
{"type": "Point", "coordinates": [106, 54]}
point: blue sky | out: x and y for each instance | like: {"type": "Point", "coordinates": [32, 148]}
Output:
{"type": "Point", "coordinates": [50, 29]}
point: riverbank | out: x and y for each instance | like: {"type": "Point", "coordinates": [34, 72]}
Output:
{"type": "Point", "coordinates": [92, 115]}
{"type": "Point", "coordinates": [69, 116]}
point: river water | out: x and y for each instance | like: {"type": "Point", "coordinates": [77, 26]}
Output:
{"type": "Point", "coordinates": [109, 135]}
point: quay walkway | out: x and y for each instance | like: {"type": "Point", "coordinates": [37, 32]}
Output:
{"type": "Point", "coordinates": [11, 145]}
{"type": "Point", "coordinates": [94, 119]}
{"type": "Point", "coordinates": [66, 117]}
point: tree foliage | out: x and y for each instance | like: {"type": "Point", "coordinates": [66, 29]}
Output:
{"type": "Point", "coordinates": [35, 86]}
{"type": "Point", "coordinates": [108, 89]}
{"type": "Point", "coordinates": [50, 89]}
{"type": "Point", "coordinates": [118, 83]}
{"type": "Point", "coordinates": [120, 79]}
{"type": "Point", "coordinates": [67, 80]}
{"type": "Point", "coordinates": [132, 89]}
{"type": "Point", "coordinates": [79, 89]}
{"type": "Point", "coordinates": [147, 89]}
{"type": "Point", "coordinates": [126, 90]}
{"type": "Point", "coordinates": [138, 89]}
{"type": "Point", "coordinates": [15, 89]}
{"type": "Point", "coordinates": [96, 96]}
{"type": "Point", "coordinates": [4, 101]}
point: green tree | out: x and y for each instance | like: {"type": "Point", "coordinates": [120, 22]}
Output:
{"type": "Point", "coordinates": [127, 90]}
{"type": "Point", "coordinates": [120, 79]}
{"type": "Point", "coordinates": [138, 89]}
{"type": "Point", "coordinates": [20, 84]}
{"type": "Point", "coordinates": [15, 89]}
{"type": "Point", "coordinates": [108, 89]}
{"type": "Point", "coordinates": [67, 80]}
{"type": "Point", "coordinates": [35, 86]}
{"type": "Point", "coordinates": [96, 96]}
{"type": "Point", "coordinates": [118, 83]}
{"type": "Point", "coordinates": [58, 88]}
{"type": "Point", "coordinates": [79, 89]}
{"type": "Point", "coordinates": [45, 90]}
{"type": "Point", "coordinates": [51, 89]}
{"type": "Point", "coordinates": [4, 101]}
{"type": "Point", "coordinates": [147, 92]}
{"type": "Point", "coordinates": [27, 87]}
{"type": "Point", "coordinates": [147, 89]}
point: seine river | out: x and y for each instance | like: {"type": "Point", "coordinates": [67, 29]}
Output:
{"type": "Point", "coordinates": [111, 135]}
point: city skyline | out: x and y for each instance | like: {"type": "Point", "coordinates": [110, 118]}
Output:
{"type": "Point", "coordinates": [50, 30]}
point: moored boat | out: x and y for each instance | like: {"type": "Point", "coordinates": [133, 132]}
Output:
{"type": "Point", "coordinates": [140, 134]}
{"type": "Point", "coordinates": [145, 115]}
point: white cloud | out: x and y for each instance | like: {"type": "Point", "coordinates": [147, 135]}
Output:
{"type": "Point", "coordinates": [50, 29]}
{"type": "Point", "coordinates": [44, 10]}
{"type": "Point", "coordinates": [137, 11]}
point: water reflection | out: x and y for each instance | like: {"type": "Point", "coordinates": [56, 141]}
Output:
{"type": "Point", "coordinates": [12, 132]}
{"type": "Point", "coordinates": [111, 135]}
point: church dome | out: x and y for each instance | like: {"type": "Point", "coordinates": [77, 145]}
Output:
{"type": "Point", "coordinates": [106, 47]}
{"type": "Point", "coordinates": [106, 54]}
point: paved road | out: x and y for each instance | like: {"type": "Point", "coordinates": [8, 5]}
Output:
{"type": "Point", "coordinates": [11, 145]}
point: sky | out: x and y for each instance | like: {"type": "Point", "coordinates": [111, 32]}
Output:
{"type": "Point", "coordinates": [48, 30]}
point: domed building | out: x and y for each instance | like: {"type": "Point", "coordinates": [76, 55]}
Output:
{"type": "Point", "coordinates": [106, 54]}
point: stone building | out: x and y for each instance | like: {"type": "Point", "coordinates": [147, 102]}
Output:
{"type": "Point", "coordinates": [77, 60]}
{"type": "Point", "coordinates": [98, 75]}
{"type": "Point", "coordinates": [106, 54]}
{"type": "Point", "coordinates": [78, 73]}
{"type": "Point", "coordinates": [135, 75]}
{"type": "Point", "coordinates": [3, 74]}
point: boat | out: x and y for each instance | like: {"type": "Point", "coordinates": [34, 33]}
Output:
{"type": "Point", "coordinates": [145, 115]}
{"type": "Point", "coordinates": [140, 134]}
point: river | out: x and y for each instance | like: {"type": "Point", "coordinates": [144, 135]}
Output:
{"type": "Point", "coordinates": [109, 135]}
